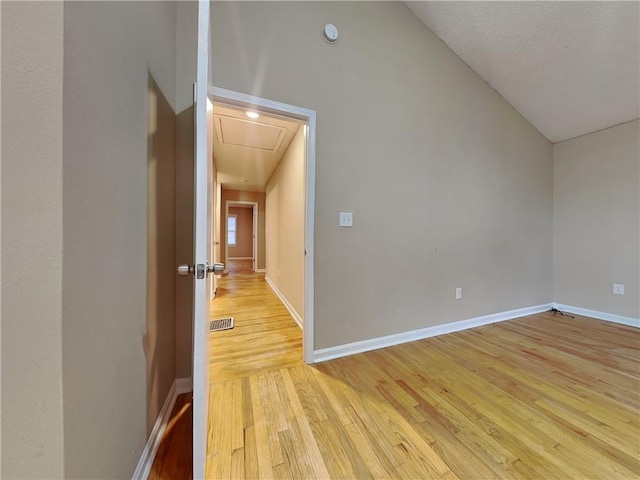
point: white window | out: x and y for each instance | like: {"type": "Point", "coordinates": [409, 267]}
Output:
{"type": "Point", "coordinates": [231, 230]}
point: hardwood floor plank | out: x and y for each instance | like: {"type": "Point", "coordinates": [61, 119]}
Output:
{"type": "Point", "coordinates": [271, 408]}
{"type": "Point", "coordinates": [251, 469]}
{"type": "Point", "coordinates": [237, 464]}
{"type": "Point", "coordinates": [319, 469]}
{"type": "Point", "coordinates": [263, 450]}
{"type": "Point", "coordinates": [294, 457]}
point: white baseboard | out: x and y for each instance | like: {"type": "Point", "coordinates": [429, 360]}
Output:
{"type": "Point", "coordinates": [609, 317]}
{"type": "Point", "coordinates": [149, 453]}
{"type": "Point", "coordinates": [239, 258]}
{"type": "Point", "coordinates": [330, 353]}
{"type": "Point", "coordinates": [179, 386]}
{"type": "Point", "coordinates": [261, 270]}
{"type": "Point", "coordinates": [183, 385]}
{"type": "Point", "coordinates": [285, 302]}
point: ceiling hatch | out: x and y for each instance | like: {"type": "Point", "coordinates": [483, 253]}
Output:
{"type": "Point", "coordinates": [248, 133]}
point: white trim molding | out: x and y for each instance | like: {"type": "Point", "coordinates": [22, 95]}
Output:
{"type": "Point", "coordinates": [240, 258]}
{"type": "Point", "coordinates": [609, 317]}
{"type": "Point", "coordinates": [261, 270]}
{"type": "Point", "coordinates": [286, 303]}
{"type": "Point", "coordinates": [153, 442]}
{"type": "Point", "coordinates": [143, 469]}
{"type": "Point", "coordinates": [183, 385]}
{"type": "Point", "coordinates": [338, 351]}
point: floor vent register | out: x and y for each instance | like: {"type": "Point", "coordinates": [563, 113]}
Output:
{"type": "Point", "coordinates": [221, 324]}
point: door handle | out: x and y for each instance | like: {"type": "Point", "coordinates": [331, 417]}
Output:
{"type": "Point", "coordinates": [216, 268]}
{"type": "Point", "coordinates": [185, 270]}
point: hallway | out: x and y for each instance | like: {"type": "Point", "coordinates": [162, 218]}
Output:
{"type": "Point", "coordinates": [264, 338]}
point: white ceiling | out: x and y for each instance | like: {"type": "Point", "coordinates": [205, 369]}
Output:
{"type": "Point", "coordinates": [570, 68]}
{"type": "Point", "coordinates": [247, 151]}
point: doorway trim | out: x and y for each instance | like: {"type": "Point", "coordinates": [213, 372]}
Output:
{"type": "Point", "coordinates": [254, 220]}
{"type": "Point", "coordinates": [230, 97]}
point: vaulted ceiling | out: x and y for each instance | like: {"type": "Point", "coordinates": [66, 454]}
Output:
{"type": "Point", "coordinates": [570, 68]}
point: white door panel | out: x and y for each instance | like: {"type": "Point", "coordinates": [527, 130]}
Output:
{"type": "Point", "coordinates": [201, 251]}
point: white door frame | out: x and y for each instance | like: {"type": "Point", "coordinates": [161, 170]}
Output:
{"type": "Point", "coordinates": [254, 216]}
{"type": "Point", "coordinates": [243, 100]}
{"type": "Point", "coordinates": [213, 201]}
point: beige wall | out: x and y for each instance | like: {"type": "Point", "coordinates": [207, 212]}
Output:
{"type": "Point", "coordinates": [258, 197]}
{"type": "Point", "coordinates": [110, 49]}
{"type": "Point", "coordinates": [184, 240]}
{"type": "Point", "coordinates": [186, 46]}
{"type": "Point", "coordinates": [186, 49]}
{"type": "Point", "coordinates": [244, 232]}
{"type": "Point", "coordinates": [159, 342]}
{"type": "Point", "coordinates": [597, 220]}
{"type": "Point", "coordinates": [32, 74]}
{"type": "Point", "coordinates": [406, 131]}
{"type": "Point", "coordinates": [285, 208]}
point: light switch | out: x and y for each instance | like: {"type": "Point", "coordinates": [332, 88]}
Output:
{"type": "Point", "coordinates": [346, 219]}
{"type": "Point", "coordinates": [618, 289]}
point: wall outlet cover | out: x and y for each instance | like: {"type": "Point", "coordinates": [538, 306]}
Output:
{"type": "Point", "coordinates": [618, 289]}
{"type": "Point", "coordinates": [346, 219]}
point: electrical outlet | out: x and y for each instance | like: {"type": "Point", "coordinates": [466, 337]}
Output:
{"type": "Point", "coordinates": [346, 219]}
{"type": "Point", "coordinates": [618, 289]}
{"type": "Point", "coordinates": [458, 294]}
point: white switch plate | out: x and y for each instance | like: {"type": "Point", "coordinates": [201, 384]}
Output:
{"type": "Point", "coordinates": [618, 289]}
{"type": "Point", "coordinates": [346, 219]}
{"type": "Point", "coordinates": [458, 294]}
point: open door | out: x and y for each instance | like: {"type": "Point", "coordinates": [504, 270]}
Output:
{"type": "Point", "coordinates": [203, 267]}
{"type": "Point", "coordinates": [201, 252]}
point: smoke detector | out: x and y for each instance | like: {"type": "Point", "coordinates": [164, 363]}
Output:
{"type": "Point", "coordinates": [330, 33]}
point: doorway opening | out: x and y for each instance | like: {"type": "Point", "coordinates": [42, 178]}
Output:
{"type": "Point", "coordinates": [241, 236]}
{"type": "Point", "coordinates": [255, 142]}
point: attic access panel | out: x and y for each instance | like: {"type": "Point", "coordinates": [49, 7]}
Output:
{"type": "Point", "coordinates": [249, 134]}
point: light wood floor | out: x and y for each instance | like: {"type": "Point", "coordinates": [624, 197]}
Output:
{"type": "Point", "coordinates": [265, 337]}
{"type": "Point", "coordinates": [538, 397]}
{"type": "Point", "coordinates": [237, 266]}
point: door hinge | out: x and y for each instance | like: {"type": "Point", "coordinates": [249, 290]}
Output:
{"type": "Point", "coordinates": [195, 92]}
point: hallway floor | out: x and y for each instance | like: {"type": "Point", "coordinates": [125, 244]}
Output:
{"type": "Point", "coordinates": [264, 337]}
